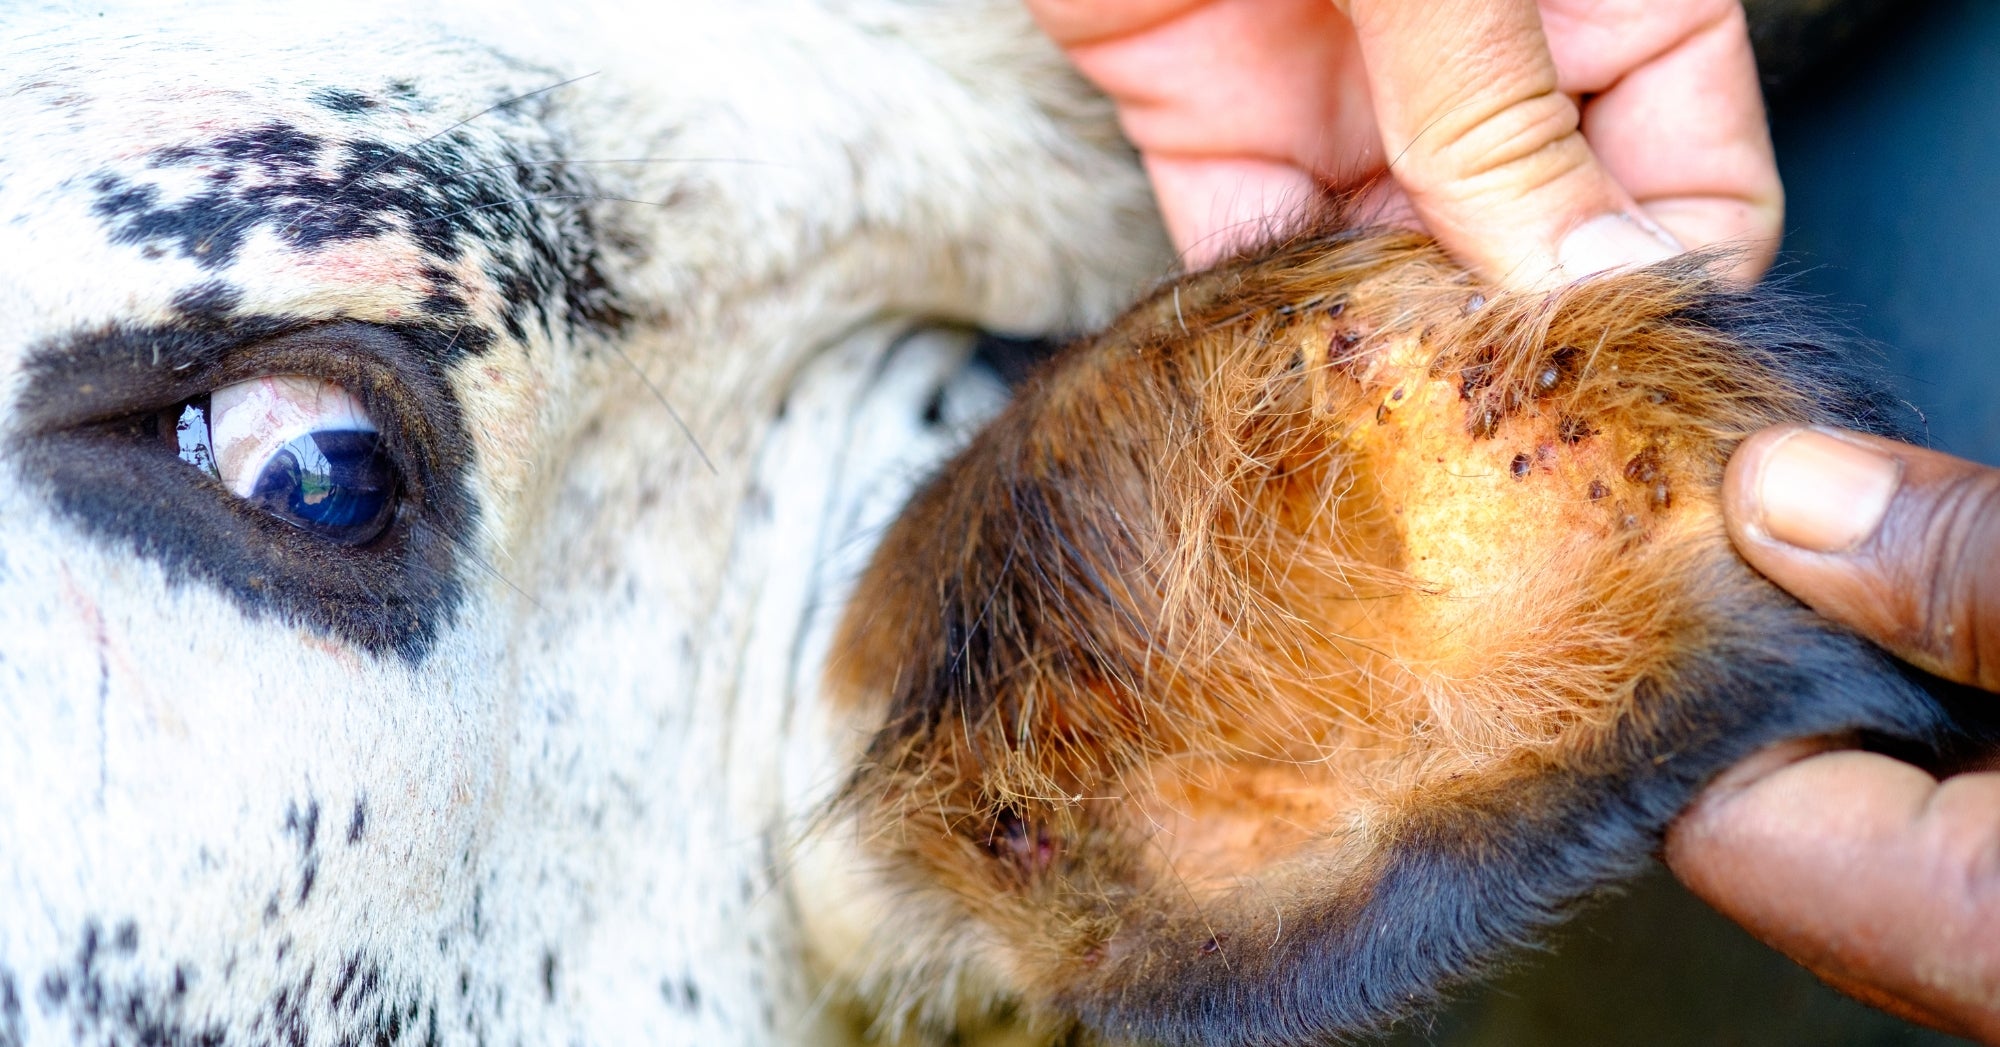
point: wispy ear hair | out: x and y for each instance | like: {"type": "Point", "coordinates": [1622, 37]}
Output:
{"type": "Point", "coordinates": [1327, 627]}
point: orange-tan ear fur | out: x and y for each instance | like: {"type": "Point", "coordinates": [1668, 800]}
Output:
{"type": "Point", "coordinates": [1325, 627]}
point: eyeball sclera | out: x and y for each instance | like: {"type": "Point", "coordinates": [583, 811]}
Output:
{"type": "Point", "coordinates": [250, 422]}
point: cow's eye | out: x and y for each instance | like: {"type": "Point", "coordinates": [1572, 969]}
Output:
{"type": "Point", "coordinates": [301, 449]}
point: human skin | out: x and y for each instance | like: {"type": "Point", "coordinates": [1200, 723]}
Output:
{"type": "Point", "coordinates": [1883, 880]}
{"type": "Point", "coordinates": [1537, 142]}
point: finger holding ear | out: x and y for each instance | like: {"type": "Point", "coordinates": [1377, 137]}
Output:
{"type": "Point", "coordinates": [1878, 877]}
{"type": "Point", "coordinates": [1897, 542]}
{"type": "Point", "coordinates": [1483, 129]}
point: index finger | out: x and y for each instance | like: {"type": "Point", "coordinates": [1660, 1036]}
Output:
{"type": "Point", "coordinates": [1478, 112]}
{"type": "Point", "coordinates": [1676, 116]}
{"type": "Point", "coordinates": [1480, 134]}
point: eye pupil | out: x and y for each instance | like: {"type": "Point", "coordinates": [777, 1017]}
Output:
{"type": "Point", "coordinates": [331, 482]}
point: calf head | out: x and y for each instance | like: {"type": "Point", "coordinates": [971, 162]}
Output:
{"type": "Point", "coordinates": [1325, 627]}
{"type": "Point", "coordinates": [419, 435]}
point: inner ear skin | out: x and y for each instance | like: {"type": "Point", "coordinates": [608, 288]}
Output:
{"type": "Point", "coordinates": [82, 409]}
{"type": "Point", "coordinates": [1291, 650]}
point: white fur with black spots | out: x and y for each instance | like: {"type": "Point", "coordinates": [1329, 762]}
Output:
{"type": "Point", "coordinates": [524, 766]}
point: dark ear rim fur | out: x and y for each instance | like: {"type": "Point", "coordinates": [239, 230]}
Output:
{"type": "Point", "coordinates": [1560, 838]}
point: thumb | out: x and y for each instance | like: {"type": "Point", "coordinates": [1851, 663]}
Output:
{"type": "Point", "coordinates": [1899, 543]}
{"type": "Point", "coordinates": [1488, 146]}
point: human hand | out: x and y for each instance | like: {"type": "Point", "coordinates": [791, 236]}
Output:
{"type": "Point", "coordinates": [1245, 109]}
{"type": "Point", "coordinates": [1882, 880]}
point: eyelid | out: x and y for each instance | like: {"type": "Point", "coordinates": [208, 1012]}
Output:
{"type": "Point", "coordinates": [102, 377]}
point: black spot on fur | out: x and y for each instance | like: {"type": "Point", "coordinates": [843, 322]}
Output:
{"type": "Point", "coordinates": [210, 305]}
{"type": "Point", "coordinates": [519, 211]}
{"type": "Point", "coordinates": [11, 1034]}
{"type": "Point", "coordinates": [357, 823]}
{"type": "Point", "coordinates": [55, 989]}
{"type": "Point", "coordinates": [681, 992]}
{"type": "Point", "coordinates": [103, 997]}
{"type": "Point", "coordinates": [338, 100]}
{"type": "Point", "coordinates": [304, 825]}
{"type": "Point", "coordinates": [345, 980]}
{"type": "Point", "coordinates": [444, 301]}
{"type": "Point", "coordinates": [355, 986]}
{"type": "Point", "coordinates": [85, 409]}
{"type": "Point", "coordinates": [549, 975]}
{"type": "Point", "coordinates": [286, 1018]}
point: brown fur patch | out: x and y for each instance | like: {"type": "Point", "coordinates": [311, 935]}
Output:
{"type": "Point", "coordinates": [1299, 553]}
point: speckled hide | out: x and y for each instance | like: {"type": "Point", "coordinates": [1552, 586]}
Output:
{"type": "Point", "coordinates": [659, 313]}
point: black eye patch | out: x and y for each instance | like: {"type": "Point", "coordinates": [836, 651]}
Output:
{"type": "Point", "coordinates": [89, 439]}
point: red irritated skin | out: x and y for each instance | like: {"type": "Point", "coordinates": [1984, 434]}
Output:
{"type": "Point", "coordinates": [1292, 649]}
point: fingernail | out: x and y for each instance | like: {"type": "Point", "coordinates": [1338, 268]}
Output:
{"type": "Point", "coordinates": [1612, 241]}
{"type": "Point", "coordinates": [1818, 492]}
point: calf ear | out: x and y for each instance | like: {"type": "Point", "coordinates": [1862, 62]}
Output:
{"type": "Point", "coordinates": [1290, 651]}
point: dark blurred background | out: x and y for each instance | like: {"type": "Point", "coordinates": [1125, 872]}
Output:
{"type": "Point", "coordinates": [1887, 121]}
{"type": "Point", "coordinates": [1890, 150]}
